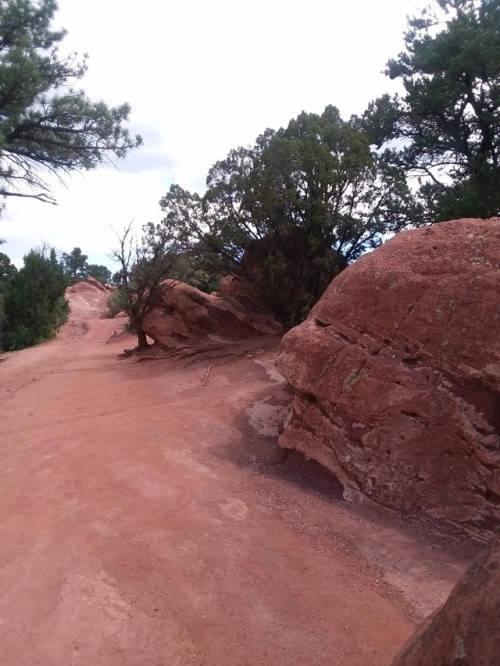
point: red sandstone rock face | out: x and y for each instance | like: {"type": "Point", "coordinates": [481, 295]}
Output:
{"type": "Point", "coordinates": [189, 316]}
{"type": "Point", "coordinates": [231, 286]}
{"type": "Point", "coordinates": [99, 285]}
{"type": "Point", "coordinates": [82, 287]}
{"type": "Point", "coordinates": [86, 300]}
{"type": "Point", "coordinates": [465, 630]}
{"type": "Point", "coordinates": [396, 373]}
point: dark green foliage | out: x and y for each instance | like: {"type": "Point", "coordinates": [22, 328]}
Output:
{"type": "Point", "coordinates": [44, 122]}
{"type": "Point", "coordinates": [76, 267]}
{"type": "Point", "coordinates": [448, 121]}
{"type": "Point", "coordinates": [117, 302]}
{"type": "Point", "coordinates": [75, 264]}
{"type": "Point", "coordinates": [35, 305]}
{"type": "Point", "coordinates": [189, 269]}
{"type": "Point", "coordinates": [7, 272]}
{"type": "Point", "coordinates": [99, 272]}
{"type": "Point", "coordinates": [291, 212]}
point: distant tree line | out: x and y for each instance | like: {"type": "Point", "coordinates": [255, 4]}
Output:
{"type": "Point", "coordinates": [32, 299]}
{"type": "Point", "coordinates": [77, 268]}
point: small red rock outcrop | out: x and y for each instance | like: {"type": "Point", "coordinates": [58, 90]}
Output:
{"type": "Point", "coordinates": [188, 316]}
{"type": "Point", "coordinates": [86, 300]}
{"type": "Point", "coordinates": [465, 630]}
{"type": "Point", "coordinates": [396, 374]}
{"type": "Point", "coordinates": [95, 283]}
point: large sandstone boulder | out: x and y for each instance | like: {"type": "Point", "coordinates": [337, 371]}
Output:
{"type": "Point", "coordinates": [396, 374]}
{"type": "Point", "coordinates": [188, 316]}
{"type": "Point", "coordinates": [465, 631]}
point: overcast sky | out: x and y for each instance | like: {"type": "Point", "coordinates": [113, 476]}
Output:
{"type": "Point", "coordinates": [202, 77]}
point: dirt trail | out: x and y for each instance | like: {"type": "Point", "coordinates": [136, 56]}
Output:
{"type": "Point", "coordinates": [142, 522]}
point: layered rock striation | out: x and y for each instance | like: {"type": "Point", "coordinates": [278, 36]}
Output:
{"type": "Point", "coordinates": [187, 316]}
{"type": "Point", "coordinates": [396, 374]}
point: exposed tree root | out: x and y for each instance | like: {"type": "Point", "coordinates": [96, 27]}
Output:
{"type": "Point", "coordinates": [214, 350]}
{"type": "Point", "coordinates": [126, 353]}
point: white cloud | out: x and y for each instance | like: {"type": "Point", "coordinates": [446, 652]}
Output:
{"type": "Point", "coordinates": [202, 77]}
{"type": "Point", "coordinates": [88, 209]}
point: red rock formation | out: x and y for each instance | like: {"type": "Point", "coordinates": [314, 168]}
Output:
{"type": "Point", "coordinates": [82, 287]}
{"type": "Point", "coordinates": [188, 316]}
{"type": "Point", "coordinates": [231, 286]}
{"type": "Point", "coordinates": [86, 300]}
{"type": "Point", "coordinates": [99, 285]}
{"type": "Point", "coordinates": [465, 631]}
{"type": "Point", "coordinates": [396, 373]}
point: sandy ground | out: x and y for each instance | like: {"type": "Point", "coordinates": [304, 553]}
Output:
{"type": "Point", "coordinates": [147, 519]}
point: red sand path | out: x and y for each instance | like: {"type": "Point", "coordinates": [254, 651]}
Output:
{"type": "Point", "coordinates": [142, 523]}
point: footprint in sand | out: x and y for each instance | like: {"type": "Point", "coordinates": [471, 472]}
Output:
{"type": "Point", "coordinates": [234, 508]}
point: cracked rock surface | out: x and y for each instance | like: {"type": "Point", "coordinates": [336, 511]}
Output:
{"type": "Point", "coordinates": [396, 374]}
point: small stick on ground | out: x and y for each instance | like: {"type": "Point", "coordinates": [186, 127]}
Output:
{"type": "Point", "coordinates": [112, 336]}
{"type": "Point", "coordinates": [116, 334]}
{"type": "Point", "coordinates": [205, 381]}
